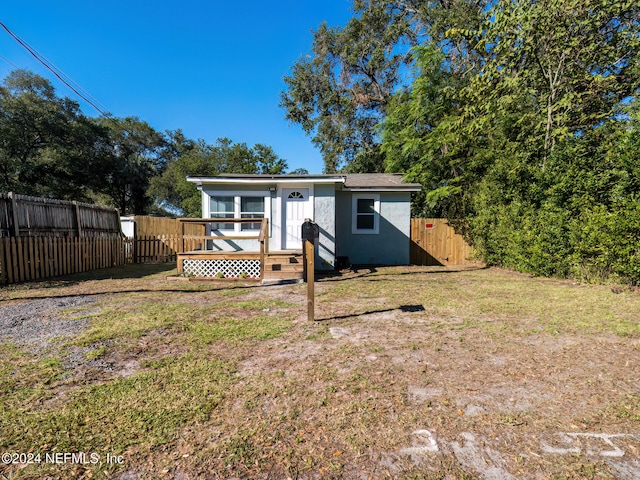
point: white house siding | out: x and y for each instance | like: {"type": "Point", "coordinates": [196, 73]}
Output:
{"type": "Point", "coordinates": [232, 190]}
{"type": "Point", "coordinates": [128, 226]}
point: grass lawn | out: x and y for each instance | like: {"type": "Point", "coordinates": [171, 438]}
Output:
{"type": "Point", "coordinates": [409, 372]}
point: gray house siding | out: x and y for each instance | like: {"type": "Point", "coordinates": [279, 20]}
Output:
{"type": "Point", "coordinates": [390, 246]}
{"type": "Point", "coordinates": [325, 217]}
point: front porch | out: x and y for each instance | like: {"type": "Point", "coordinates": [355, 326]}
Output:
{"type": "Point", "coordinates": [205, 264]}
{"type": "Point", "coordinates": [198, 259]}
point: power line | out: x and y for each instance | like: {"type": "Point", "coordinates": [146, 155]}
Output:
{"type": "Point", "coordinates": [8, 61]}
{"type": "Point", "coordinates": [64, 78]}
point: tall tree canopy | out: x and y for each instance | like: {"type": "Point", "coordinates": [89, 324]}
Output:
{"type": "Point", "coordinates": [340, 92]}
{"type": "Point", "coordinates": [46, 144]}
{"type": "Point", "coordinates": [520, 149]}
{"type": "Point", "coordinates": [519, 118]}
{"type": "Point", "coordinates": [49, 148]}
{"type": "Point", "coordinates": [172, 191]}
{"type": "Point", "coordinates": [135, 155]}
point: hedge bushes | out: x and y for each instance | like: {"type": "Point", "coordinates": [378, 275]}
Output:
{"type": "Point", "coordinates": [580, 217]}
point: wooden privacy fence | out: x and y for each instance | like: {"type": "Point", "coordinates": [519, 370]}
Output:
{"type": "Point", "coordinates": [435, 242]}
{"type": "Point", "coordinates": [160, 239]}
{"type": "Point", "coordinates": [22, 215]}
{"type": "Point", "coordinates": [163, 227]}
{"type": "Point", "coordinates": [164, 248]}
{"type": "Point", "coordinates": [32, 258]}
{"type": "Point", "coordinates": [43, 237]}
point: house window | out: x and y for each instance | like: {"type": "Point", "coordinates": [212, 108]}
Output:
{"type": "Point", "coordinates": [238, 205]}
{"type": "Point", "coordinates": [365, 213]}
{"type": "Point", "coordinates": [251, 207]}
{"type": "Point", "coordinates": [222, 207]}
{"type": "Point", "coordinates": [296, 194]}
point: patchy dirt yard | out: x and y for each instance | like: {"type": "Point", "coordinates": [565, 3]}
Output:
{"type": "Point", "coordinates": [412, 372]}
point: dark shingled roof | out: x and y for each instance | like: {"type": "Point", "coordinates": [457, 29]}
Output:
{"type": "Point", "coordinates": [378, 180]}
{"type": "Point", "coordinates": [350, 181]}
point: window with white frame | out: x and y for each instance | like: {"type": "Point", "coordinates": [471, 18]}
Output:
{"type": "Point", "coordinates": [365, 213]}
{"type": "Point", "coordinates": [222, 207]}
{"type": "Point", "coordinates": [239, 205]}
{"type": "Point", "coordinates": [251, 207]}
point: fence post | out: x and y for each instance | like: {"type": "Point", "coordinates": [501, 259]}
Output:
{"type": "Point", "coordinates": [13, 267]}
{"type": "Point", "coordinates": [77, 212]}
{"type": "Point", "coordinates": [3, 263]}
{"type": "Point", "coordinates": [14, 212]}
{"type": "Point", "coordinates": [36, 257]}
{"type": "Point", "coordinates": [309, 252]}
{"type": "Point", "coordinates": [20, 259]}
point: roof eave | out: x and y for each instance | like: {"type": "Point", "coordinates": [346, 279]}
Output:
{"type": "Point", "coordinates": [262, 181]}
{"type": "Point", "coordinates": [408, 188]}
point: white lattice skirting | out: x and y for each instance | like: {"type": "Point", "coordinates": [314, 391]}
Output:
{"type": "Point", "coordinates": [218, 268]}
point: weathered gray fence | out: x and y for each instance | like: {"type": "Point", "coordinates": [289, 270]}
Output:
{"type": "Point", "coordinates": [25, 216]}
{"type": "Point", "coordinates": [42, 238]}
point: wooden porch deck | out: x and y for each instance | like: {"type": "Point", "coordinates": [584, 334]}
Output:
{"type": "Point", "coordinates": [280, 265]}
{"type": "Point", "coordinates": [262, 264]}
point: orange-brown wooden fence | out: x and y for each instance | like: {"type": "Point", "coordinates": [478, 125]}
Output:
{"type": "Point", "coordinates": [155, 249]}
{"type": "Point", "coordinates": [33, 258]}
{"type": "Point", "coordinates": [159, 239]}
{"type": "Point", "coordinates": [149, 226]}
{"type": "Point", "coordinates": [435, 242]}
{"type": "Point", "coordinates": [25, 258]}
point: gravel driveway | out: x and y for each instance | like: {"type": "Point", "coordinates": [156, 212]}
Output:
{"type": "Point", "coordinates": [36, 323]}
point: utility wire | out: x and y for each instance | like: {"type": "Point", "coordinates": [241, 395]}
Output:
{"type": "Point", "coordinates": [65, 79]}
{"type": "Point", "coordinates": [52, 67]}
{"type": "Point", "coordinates": [8, 61]}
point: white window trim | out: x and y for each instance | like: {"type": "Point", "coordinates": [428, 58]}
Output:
{"type": "Point", "coordinates": [354, 214]}
{"type": "Point", "coordinates": [237, 203]}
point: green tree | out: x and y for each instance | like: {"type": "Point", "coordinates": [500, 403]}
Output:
{"type": "Point", "coordinates": [47, 146]}
{"type": "Point", "coordinates": [175, 194]}
{"type": "Point", "coordinates": [340, 92]}
{"type": "Point", "coordinates": [419, 139]}
{"type": "Point", "coordinates": [136, 153]}
{"type": "Point", "coordinates": [563, 66]}
{"type": "Point", "coordinates": [550, 101]}
{"type": "Point", "coordinates": [529, 140]}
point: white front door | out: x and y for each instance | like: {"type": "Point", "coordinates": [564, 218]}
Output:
{"type": "Point", "coordinates": [296, 209]}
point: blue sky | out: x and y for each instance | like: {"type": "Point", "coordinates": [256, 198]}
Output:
{"type": "Point", "coordinates": [212, 68]}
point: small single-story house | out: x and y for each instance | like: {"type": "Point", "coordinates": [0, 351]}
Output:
{"type": "Point", "coordinates": [363, 218]}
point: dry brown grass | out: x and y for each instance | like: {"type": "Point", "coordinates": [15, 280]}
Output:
{"type": "Point", "coordinates": [410, 373]}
